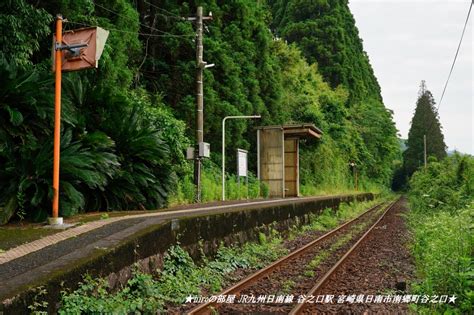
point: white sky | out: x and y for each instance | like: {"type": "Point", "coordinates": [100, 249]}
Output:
{"type": "Point", "coordinates": [410, 41]}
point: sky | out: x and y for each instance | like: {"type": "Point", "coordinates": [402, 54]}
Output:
{"type": "Point", "coordinates": [410, 41]}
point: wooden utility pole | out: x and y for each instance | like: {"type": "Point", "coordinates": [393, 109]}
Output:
{"type": "Point", "coordinates": [200, 66]}
{"type": "Point", "coordinates": [424, 149]}
{"type": "Point", "coordinates": [199, 103]}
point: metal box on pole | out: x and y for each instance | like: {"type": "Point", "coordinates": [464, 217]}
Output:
{"type": "Point", "coordinates": [204, 149]}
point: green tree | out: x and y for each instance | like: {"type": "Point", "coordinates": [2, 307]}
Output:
{"type": "Point", "coordinates": [326, 33]}
{"type": "Point", "coordinates": [22, 29]}
{"type": "Point", "coordinates": [127, 123]}
{"type": "Point", "coordinates": [424, 122]}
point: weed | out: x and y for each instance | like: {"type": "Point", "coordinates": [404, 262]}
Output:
{"type": "Point", "coordinates": [309, 273]}
{"type": "Point", "coordinates": [318, 259]}
{"type": "Point", "coordinates": [39, 307]}
{"type": "Point", "coordinates": [179, 277]}
{"type": "Point", "coordinates": [287, 286]}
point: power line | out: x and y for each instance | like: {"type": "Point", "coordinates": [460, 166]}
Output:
{"type": "Point", "coordinates": [455, 57]}
{"type": "Point", "coordinates": [144, 25]}
{"type": "Point", "coordinates": [449, 76]}
{"type": "Point", "coordinates": [171, 14]}
{"type": "Point", "coordinates": [130, 32]}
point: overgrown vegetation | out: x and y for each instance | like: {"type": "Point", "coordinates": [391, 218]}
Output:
{"type": "Point", "coordinates": [360, 125]}
{"type": "Point", "coordinates": [127, 124]}
{"type": "Point", "coordinates": [442, 203]}
{"type": "Point", "coordinates": [211, 190]}
{"type": "Point", "coordinates": [180, 276]}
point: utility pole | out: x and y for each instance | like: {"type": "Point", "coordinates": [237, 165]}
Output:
{"type": "Point", "coordinates": [424, 149]}
{"type": "Point", "coordinates": [199, 103]}
{"type": "Point", "coordinates": [200, 66]}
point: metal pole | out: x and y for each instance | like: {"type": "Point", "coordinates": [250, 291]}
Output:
{"type": "Point", "coordinates": [247, 183]}
{"type": "Point", "coordinates": [258, 162]}
{"type": "Point", "coordinates": [57, 117]}
{"type": "Point", "coordinates": [283, 163]}
{"type": "Point", "coordinates": [238, 176]}
{"type": "Point", "coordinates": [223, 145]}
{"type": "Point", "coordinates": [223, 158]}
{"type": "Point", "coordinates": [356, 178]}
{"type": "Point", "coordinates": [424, 149]}
{"type": "Point", "coordinates": [199, 103]}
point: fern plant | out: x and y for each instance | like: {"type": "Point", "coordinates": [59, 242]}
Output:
{"type": "Point", "coordinates": [26, 149]}
{"type": "Point", "coordinates": [113, 156]}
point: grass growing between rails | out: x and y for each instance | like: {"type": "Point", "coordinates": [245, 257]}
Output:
{"type": "Point", "coordinates": [442, 203]}
{"type": "Point", "coordinates": [329, 219]}
{"type": "Point", "coordinates": [343, 240]}
{"type": "Point", "coordinates": [179, 278]}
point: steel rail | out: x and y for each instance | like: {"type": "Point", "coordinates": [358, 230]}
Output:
{"type": "Point", "coordinates": [205, 308]}
{"type": "Point", "coordinates": [300, 307]}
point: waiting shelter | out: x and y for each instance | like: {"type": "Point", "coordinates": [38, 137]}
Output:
{"type": "Point", "coordinates": [278, 157]}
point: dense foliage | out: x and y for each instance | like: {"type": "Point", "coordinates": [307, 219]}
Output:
{"type": "Point", "coordinates": [442, 203]}
{"type": "Point", "coordinates": [126, 124]}
{"type": "Point", "coordinates": [105, 164]}
{"type": "Point", "coordinates": [179, 278]}
{"type": "Point", "coordinates": [325, 32]}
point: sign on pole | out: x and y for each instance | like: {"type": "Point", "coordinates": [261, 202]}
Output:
{"type": "Point", "coordinates": [82, 48]}
{"type": "Point", "coordinates": [242, 168]}
{"type": "Point", "coordinates": [72, 50]}
{"type": "Point", "coordinates": [242, 162]}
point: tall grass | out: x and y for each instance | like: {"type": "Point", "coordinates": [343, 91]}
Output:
{"type": "Point", "coordinates": [211, 187]}
{"type": "Point", "coordinates": [441, 219]}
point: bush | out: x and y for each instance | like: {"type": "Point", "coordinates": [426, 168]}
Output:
{"type": "Point", "coordinates": [211, 186]}
{"type": "Point", "coordinates": [441, 199]}
{"type": "Point", "coordinates": [179, 278]}
{"type": "Point", "coordinates": [113, 157]}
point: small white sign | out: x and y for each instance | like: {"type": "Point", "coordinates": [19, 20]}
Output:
{"type": "Point", "coordinates": [242, 162]}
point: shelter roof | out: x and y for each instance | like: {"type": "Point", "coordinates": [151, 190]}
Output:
{"type": "Point", "coordinates": [297, 130]}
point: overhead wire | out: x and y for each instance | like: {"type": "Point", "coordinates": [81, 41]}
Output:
{"type": "Point", "coordinates": [144, 25]}
{"type": "Point", "coordinates": [456, 55]}
{"type": "Point", "coordinates": [130, 32]}
{"type": "Point", "coordinates": [171, 14]}
{"type": "Point", "coordinates": [452, 67]}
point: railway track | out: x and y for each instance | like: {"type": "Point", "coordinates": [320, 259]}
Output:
{"type": "Point", "coordinates": [336, 245]}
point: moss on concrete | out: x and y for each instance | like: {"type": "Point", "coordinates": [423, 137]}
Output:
{"type": "Point", "coordinates": [14, 236]}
